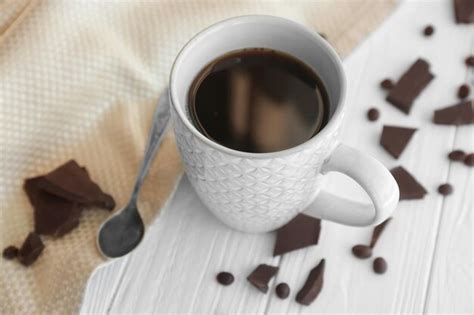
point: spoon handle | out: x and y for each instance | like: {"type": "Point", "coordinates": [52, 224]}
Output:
{"type": "Point", "coordinates": [160, 120]}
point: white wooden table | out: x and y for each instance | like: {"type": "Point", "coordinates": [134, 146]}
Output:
{"type": "Point", "coordinates": [428, 245]}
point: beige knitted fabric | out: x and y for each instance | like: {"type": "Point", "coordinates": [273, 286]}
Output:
{"type": "Point", "coordinates": [80, 79]}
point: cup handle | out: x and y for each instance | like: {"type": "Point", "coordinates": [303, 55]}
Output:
{"type": "Point", "coordinates": [374, 178]}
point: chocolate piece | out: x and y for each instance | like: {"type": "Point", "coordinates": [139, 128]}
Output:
{"type": "Point", "coordinates": [282, 290]}
{"type": "Point", "coordinates": [71, 182]}
{"type": "Point", "coordinates": [387, 84]}
{"type": "Point", "coordinates": [378, 231]}
{"type": "Point", "coordinates": [10, 252]}
{"type": "Point", "coordinates": [313, 285]}
{"type": "Point", "coordinates": [464, 11]}
{"type": "Point", "coordinates": [410, 85]}
{"type": "Point", "coordinates": [380, 265]}
{"type": "Point", "coordinates": [225, 278]}
{"type": "Point", "coordinates": [463, 91]}
{"type": "Point", "coordinates": [373, 114]}
{"type": "Point", "coordinates": [428, 30]}
{"type": "Point", "coordinates": [458, 114]}
{"type": "Point", "coordinates": [362, 251]}
{"type": "Point", "coordinates": [300, 232]}
{"type": "Point", "coordinates": [469, 61]}
{"type": "Point", "coordinates": [409, 187]}
{"type": "Point", "coordinates": [469, 159]}
{"type": "Point", "coordinates": [52, 215]}
{"type": "Point", "coordinates": [457, 155]}
{"type": "Point", "coordinates": [395, 139]}
{"type": "Point", "coordinates": [30, 250]}
{"type": "Point", "coordinates": [261, 276]}
{"type": "Point", "coordinates": [445, 189]}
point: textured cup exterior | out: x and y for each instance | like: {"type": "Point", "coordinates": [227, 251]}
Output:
{"type": "Point", "coordinates": [254, 194]}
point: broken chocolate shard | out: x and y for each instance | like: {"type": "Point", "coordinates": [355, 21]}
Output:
{"type": "Point", "coordinates": [313, 285]}
{"type": "Point", "coordinates": [378, 231]}
{"type": "Point", "coordinates": [52, 214]}
{"type": "Point", "coordinates": [410, 85]}
{"type": "Point", "coordinates": [300, 232]}
{"type": "Point", "coordinates": [464, 11]}
{"type": "Point", "coordinates": [30, 250]}
{"type": "Point", "coordinates": [71, 182]}
{"type": "Point", "coordinates": [458, 114]}
{"type": "Point", "coordinates": [409, 187]}
{"type": "Point", "coordinates": [395, 139]}
{"type": "Point", "coordinates": [261, 276]}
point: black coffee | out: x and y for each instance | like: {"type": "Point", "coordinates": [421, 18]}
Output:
{"type": "Point", "coordinates": [258, 100]}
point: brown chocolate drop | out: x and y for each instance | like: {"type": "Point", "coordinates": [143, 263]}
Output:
{"type": "Point", "coordinates": [456, 155]}
{"type": "Point", "coordinates": [362, 251]}
{"type": "Point", "coordinates": [225, 278]}
{"type": "Point", "coordinates": [380, 265]}
{"type": "Point", "coordinates": [282, 290]}
{"type": "Point", "coordinates": [464, 91]}
{"type": "Point", "coordinates": [445, 189]}
{"type": "Point", "coordinates": [470, 61]}
{"type": "Point", "coordinates": [428, 30]}
{"type": "Point", "coordinates": [387, 84]}
{"type": "Point", "coordinates": [10, 252]}
{"type": "Point", "coordinates": [373, 114]}
{"type": "Point", "coordinates": [469, 159]}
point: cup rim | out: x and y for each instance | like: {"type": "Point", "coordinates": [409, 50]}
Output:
{"type": "Point", "coordinates": [323, 133]}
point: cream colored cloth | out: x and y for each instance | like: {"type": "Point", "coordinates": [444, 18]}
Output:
{"type": "Point", "coordinates": [80, 79]}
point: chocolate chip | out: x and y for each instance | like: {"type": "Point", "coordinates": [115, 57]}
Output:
{"type": "Point", "coordinates": [387, 84]}
{"type": "Point", "coordinates": [380, 265]}
{"type": "Point", "coordinates": [409, 187]}
{"type": "Point", "coordinates": [261, 276]}
{"type": "Point", "coordinates": [378, 231]}
{"type": "Point", "coordinates": [469, 159]}
{"type": "Point", "coordinates": [30, 250]}
{"type": "Point", "coordinates": [458, 114]}
{"type": "Point", "coordinates": [313, 285]}
{"type": "Point", "coordinates": [10, 252]}
{"type": "Point", "coordinates": [373, 114]}
{"type": "Point", "coordinates": [464, 11]}
{"type": "Point", "coordinates": [394, 139]}
{"type": "Point", "coordinates": [428, 30]}
{"type": "Point", "coordinates": [302, 231]}
{"type": "Point", "coordinates": [456, 155]}
{"type": "Point", "coordinates": [469, 61]}
{"type": "Point", "coordinates": [445, 189]}
{"type": "Point", "coordinates": [362, 251]}
{"type": "Point", "coordinates": [463, 91]}
{"type": "Point", "coordinates": [282, 290]}
{"type": "Point", "coordinates": [225, 278]}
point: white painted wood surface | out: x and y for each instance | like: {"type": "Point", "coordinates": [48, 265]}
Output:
{"type": "Point", "coordinates": [428, 245]}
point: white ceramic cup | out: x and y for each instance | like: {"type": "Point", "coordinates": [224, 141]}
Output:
{"type": "Point", "coordinates": [259, 192]}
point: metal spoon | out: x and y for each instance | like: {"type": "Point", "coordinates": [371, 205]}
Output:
{"type": "Point", "coordinates": [123, 231]}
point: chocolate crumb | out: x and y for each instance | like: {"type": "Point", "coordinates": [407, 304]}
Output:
{"type": "Point", "coordinates": [261, 276]}
{"type": "Point", "coordinates": [225, 278]}
{"type": "Point", "coordinates": [373, 114]}
{"type": "Point", "coordinates": [387, 84]}
{"type": "Point", "coordinates": [362, 251]}
{"type": "Point", "coordinates": [456, 155]}
{"type": "Point", "coordinates": [470, 61]}
{"type": "Point", "coordinates": [469, 159]}
{"type": "Point", "coordinates": [10, 252]}
{"type": "Point", "coordinates": [282, 290]}
{"type": "Point", "coordinates": [380, 265]}
{"type": "Point", "coordinates": [428, 30]}
{"type": "Point", "coordinates": [463, 91]}
{"type": "Point", "coordinates": [445, 189]}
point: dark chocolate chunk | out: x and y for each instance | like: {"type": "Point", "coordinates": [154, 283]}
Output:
{"type": "Point", "coordinates": [464, 11]}
{"type": "Point", "coordinates": [373, 114]}
{"type": "Point", "coordinates": [52, 214]}
{"type": "Point", "coordinates": [395, 139]}
{"type": "Point", "coordinates": [261, 276]}
{"type": "Point", "coordinates": [300, 232]}
{"type": "Point", "coordinates": [380, 265]}
{"type": "Point", "coordinates": [469, 61]}
{"type": "Point", "coordinates": [458, 114]}
{"type": "Point", "coordinates": [225, 278]}
{"type": "Point", "coordinates": [410, 85]}
{"type": "Point", "coordinates": [457, 155]}
{"type": "Point", "coordinates": [10, 252]}
{"type": "Point", "coordinates": [445, 189]}
{"type": "Point", "coordinates": [282, 290]}
{"type": "Point", "coordinates": [30, 250]}
{"type": "Point", "coordinates": [428, 30]}
{"type": "Point", "coordinates": [71, 182]}
{"type": "Point", "coordinates": [469, 159]}
{"type": "Point", "coordinates": [378, 231]}
{"type": "Point", "coordinates": [409, 187]}
{"type": "Point", "coordinates": [387, 84]}
{"type": "Point", "coordinates": [463, 91]}
{"type": "Point", "coordinates": [362, 251]}
{"type": "Point", "coordinates": [313, 285]}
